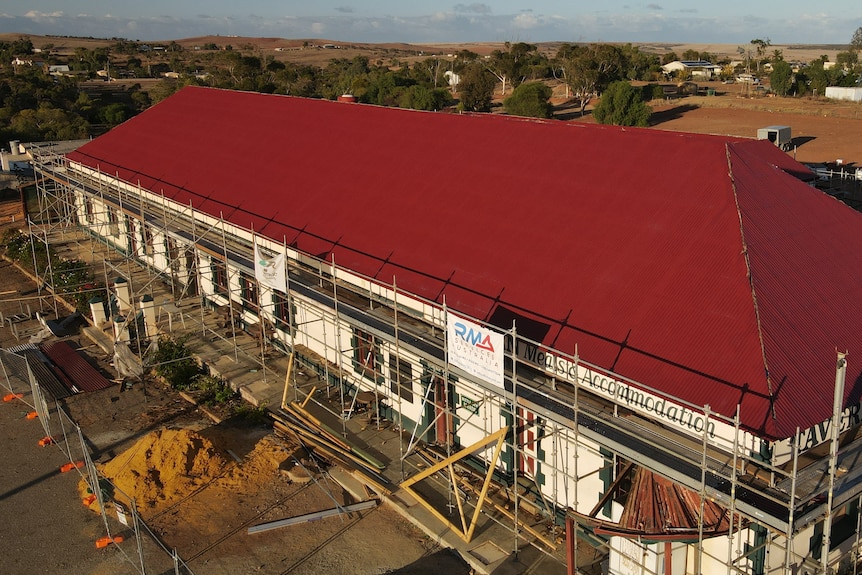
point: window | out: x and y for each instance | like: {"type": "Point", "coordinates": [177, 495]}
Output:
{"type": "Point", "coordinates": [219, 276]}
{"type": "Point", "coordinates": [401, 377]}
{"type": "Point", "coordinates": [88, 210]}
{"type": "Point", "coordinates": [133, 236]}
{"type": "Point", "coordinates": [113, 226]}
{"type": "Point", "coordinates": [365, 355]}
{"type": "Point", "coordinates": [282, 310]}
{"type": "Point", "coordinates": [249, 292]}
{"type": "Point", "coordinates": [148, 240]}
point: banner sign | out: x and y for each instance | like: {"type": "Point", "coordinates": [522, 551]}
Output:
{"type": "Point", "coordinates": [270, 272]}
{"type": "Point", "coordinates": [475, 349]}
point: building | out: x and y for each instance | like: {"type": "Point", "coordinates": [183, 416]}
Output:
{"type": "Point", "coordinates": [702, 69]}
{"type": "Point", "coordinates": [839, 93]}
{"type": "Point", "coordinates": [550, 281]}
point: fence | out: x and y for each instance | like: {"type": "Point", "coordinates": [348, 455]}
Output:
{"type": "Point", "coordinates": [125, 530]}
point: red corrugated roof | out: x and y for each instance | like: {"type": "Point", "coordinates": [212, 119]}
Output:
{"type": "Point", "coordinates": [82, 375]}
{"type": "Point", "coordinates": [690, 263]}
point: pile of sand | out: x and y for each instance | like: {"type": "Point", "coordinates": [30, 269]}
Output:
{"type": "Point", "coordinates": [169, 465]}
{"type": "Point", "coordinates": [257, 467]}
{"type": "Point", "coordinates": [163, 467]}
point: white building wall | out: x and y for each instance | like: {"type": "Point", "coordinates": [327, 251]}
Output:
{"type": "Point", "coordinates": [840, 93]}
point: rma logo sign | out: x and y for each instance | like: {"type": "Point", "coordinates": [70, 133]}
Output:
{"type": "Point", "coordinates": [474, 337]}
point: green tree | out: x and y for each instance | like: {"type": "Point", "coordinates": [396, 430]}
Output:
{"type": "Point", "coordinates": [515, 64]}
{"type": "Point", "coordinates": [669, 57]}
{"type": "Point", "coordinates": [856, 40]}
{"type": "Point", "coordinates": [621, 105]}
{"type": "Point", "coordinates": [760, 47]}
{"type": "Point", "coordinates": [691, 55]}
{"type": "Point", "coordinates": [476, 88]}
{"type": "Point", "coordinates": [590, 69]}
{"type": "Point", "coordinates": [640, 65]}
{"type": "Point", "coordinates": [781, 77]}
{"type": "Point", "coordinates": [818, 77]}
{"type": "Point", "coordinates": [419, 97]}
{"type": "Point", "coordinates": [530, 99]}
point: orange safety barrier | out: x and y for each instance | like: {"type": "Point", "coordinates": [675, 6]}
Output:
{"type": "Point", "coordinates": [103, 542]}
{"type": "Point", "coordinates": [48, 440]}
{"type": "Point", "coordinates": [32, 415]}
{"type": "Point", "coordinates": [71, 466]}
{"type": "Point", "coordinates": [11, 396]}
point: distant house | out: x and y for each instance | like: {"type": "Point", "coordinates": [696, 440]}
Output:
{"type": "Point", "coordinates": [58, 69]}
{"type": "Point", "coordinates": [697, 68]}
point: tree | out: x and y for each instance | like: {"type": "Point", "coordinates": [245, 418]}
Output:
{"type": "Point", "coordinates": [669, 57]}
{"type": "Point", "coordinates": [691, 55]}
{"type": "Point", "coordinates": [818, 76]}
{"type": "Point", "coordinates": [514, 64]}
{"type": "Point", "coordinates": [589, 69]}
{"type": "Point", "coordinates": [621, 105]}
{"type": "Point", "coordinates": [856, 40]}
{"type": "Point", "coordinates": [419, 97]}
{"type": "Point", "coordinates": [476, 88]}
{"type": "Point", "coordinates": [531, 100]}
{"type": "Point", "coordinates": [760, 47]}
{"type": "Point", "coordinates": [640, 65]}
{"type": "Point", "coordinates": [781, 77]}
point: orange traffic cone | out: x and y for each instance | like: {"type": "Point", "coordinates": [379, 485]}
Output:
{"type": "Point", "coordinates": [11, 396]}
{"type": "Point", "coordinates": [47, 440]}
{"type": "Point", "coordinates": [32, 415]}
{"type": "Point", "coordinates": [88, 500]}
{"type": "Point", "coordinates": [103, 542]}
{"type": "Point", "coordinates": [71, 466]}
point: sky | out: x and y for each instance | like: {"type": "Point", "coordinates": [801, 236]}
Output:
{"type": "Point", "coordinates": [435, 21]}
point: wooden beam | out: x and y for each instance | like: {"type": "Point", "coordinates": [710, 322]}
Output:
{"type": "Point", "coordinates": [466, 534]}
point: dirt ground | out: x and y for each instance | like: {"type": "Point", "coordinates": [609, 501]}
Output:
{"type": "Point", "coordinates": [197, 484]}
{"type": "Point", "coordinates": [822, 130]}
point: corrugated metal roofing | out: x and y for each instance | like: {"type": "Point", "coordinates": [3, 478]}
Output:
{"type": "Point", "coordinates": [656, 509]}
{"type": "Point", "coordinates": [82, 375]}
{"type": "Point", "coordinates": [46, 376]}
{"type": "Point", "coordinates": [691, 263]}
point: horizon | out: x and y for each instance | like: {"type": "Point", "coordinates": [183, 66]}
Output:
{"type": "Point", "coordinates": [386, 21]}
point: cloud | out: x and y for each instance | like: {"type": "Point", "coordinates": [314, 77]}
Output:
{"type": "Point", "coordinates": [475, 8]}
{"type": "Point", "coordinates": [345, 9]}
{"type": "Point", "coordinates": [654, 7]}
{"type": "Point", "coordinates": [36, 15]}
{"type": "Point", "coordinates": [526, 20]}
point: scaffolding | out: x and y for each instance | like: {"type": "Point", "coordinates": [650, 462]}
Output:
{"type": "Point", "coordinates": [565, 440]}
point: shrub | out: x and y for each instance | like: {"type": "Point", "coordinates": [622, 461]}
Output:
{"type": "Point", "coordinates": [214, 390]}
{"type": "Point", "coordinates": [72, 279]}
{"type": "Point", "coordinates": [531, 100]}
{"type": "Point", "coordinates": [173, 362]}
{"type": "Point", "coordinates": [621, 105]}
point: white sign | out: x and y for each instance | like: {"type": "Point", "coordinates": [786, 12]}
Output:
{"type": "Point", "coordinates": [476, 350]}
{"type": "Point", "coordinates": [270, 272]}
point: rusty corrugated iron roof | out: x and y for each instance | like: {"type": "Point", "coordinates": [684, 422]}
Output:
{"type": "Point", "coordinates": [656, 509]}
{"type": "Point", "coordinates": [82, 375]}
